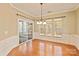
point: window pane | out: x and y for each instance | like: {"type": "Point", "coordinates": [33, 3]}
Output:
{"type": "Point", "coordinates": [58, 26]}
{"type": "Point", "coordinates": [49, 27]}
{"type": "Point", "coordinates": [20, 26]}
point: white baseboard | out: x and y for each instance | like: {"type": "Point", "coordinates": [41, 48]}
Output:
{"type": "Point", "coordinates": [8, 44]}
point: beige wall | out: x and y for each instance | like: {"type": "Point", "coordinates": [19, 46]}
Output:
{"type": "Point", "coordinates": [77, 17]}
{"type": "Point", "coordinates": [8, 21]}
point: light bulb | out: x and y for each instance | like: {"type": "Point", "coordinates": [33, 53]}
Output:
{"type": "Point", "coordinates": [37, 22]}
{"type": "Point", "coordinates": [40, 22]}
{"type": "Point", "coordinates": [44, 22]}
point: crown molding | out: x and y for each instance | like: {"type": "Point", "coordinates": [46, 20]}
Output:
{"type": "Point", "coordinates": [27, 15]}
{"type": "Point", "coordinates": [58, 12]}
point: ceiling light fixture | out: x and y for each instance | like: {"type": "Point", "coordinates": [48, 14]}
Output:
{"type": "Point", "coordinates": [41, 21]}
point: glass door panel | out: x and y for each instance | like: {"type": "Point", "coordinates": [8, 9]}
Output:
{"type": "Point", "coordinates": [30, 31]}
{"type": "Point", "coordinates": [23, 31]}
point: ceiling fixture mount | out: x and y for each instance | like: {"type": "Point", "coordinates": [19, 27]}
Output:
{"type": "Point", "coordinates": [41, 21]}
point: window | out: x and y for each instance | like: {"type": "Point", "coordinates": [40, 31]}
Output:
{"type": "Point", "coordinates": [58, 24]}
{"type": "Point", "coordinates": [53, 27]}
{"type": "Point", "coordinates": [42, 29]}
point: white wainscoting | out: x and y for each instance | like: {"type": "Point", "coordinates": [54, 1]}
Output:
{"type": "Point", "coordinates": [76, 41]}
{"type": "Point", "coordinates": [8, 44]}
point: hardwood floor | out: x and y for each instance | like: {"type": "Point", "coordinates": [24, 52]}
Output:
{"type": "Point", "coordinates": [44, 48]}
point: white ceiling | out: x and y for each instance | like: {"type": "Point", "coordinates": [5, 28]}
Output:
{"type": "Point", "coordinates": [34, 8]}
